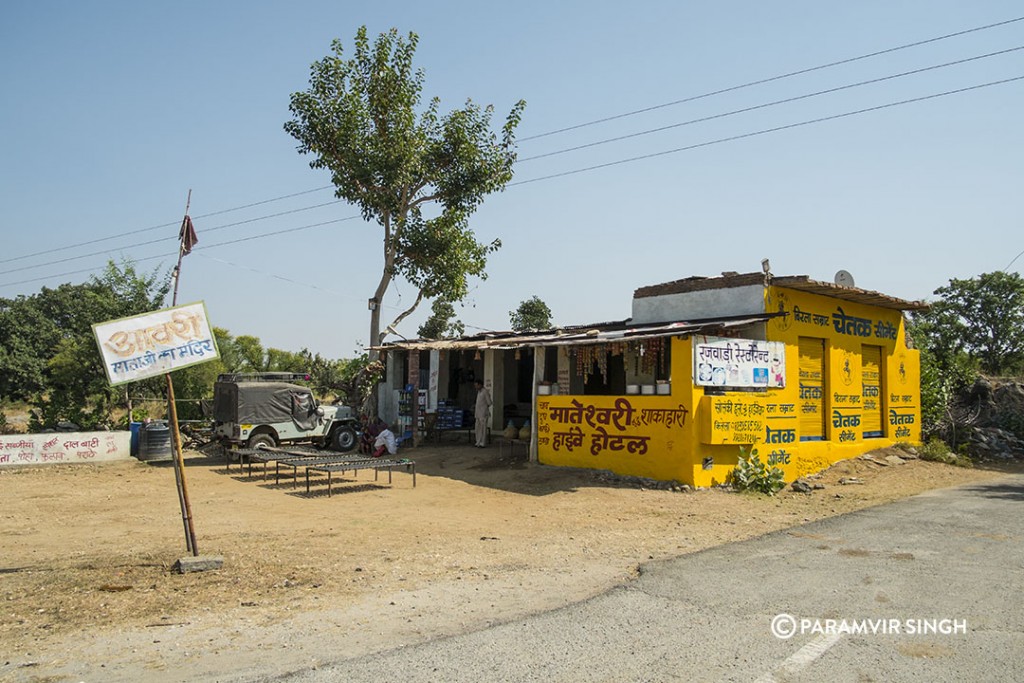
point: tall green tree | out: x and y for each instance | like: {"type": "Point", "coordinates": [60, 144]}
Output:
{"type": "Point", "coordinates": [50, 356]}
{"type": "Point", "coordinates": [982, 318]}
{"type": "Point", "coordinates": [442, 323]}
{"type": "Point", "coordinates": [532, 314]}
{"type": "Point", "coordinates": [418, 174]}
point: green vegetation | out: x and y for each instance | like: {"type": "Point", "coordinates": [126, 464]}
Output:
{"type": "Point", "coordinates": [976, 326]}
{"type": "Point", "coordinates": [362, 120]}
{"type": "Point", "coordinates": [936, 450]}
{"type": "Point", "coordinates": [50, 364]}
{"type": "Point", "coordinates": [442, 323]}
{"type": "Point", "coordinates": [532, 314]}
{"type": "Point", "coordinates": [753, 475]}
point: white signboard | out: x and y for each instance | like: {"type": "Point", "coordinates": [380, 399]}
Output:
{"type": "Point", "coordinates": [742, 363]}
{"type": "Point", "coordinates": [154, 343]}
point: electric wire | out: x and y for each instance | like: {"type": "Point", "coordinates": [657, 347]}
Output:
{"type": "Point", "coordinates": [194, 249]}
{"type": "Point", "coordinates": [175, 238]}
{"type": "Point", "coordinates": [560, 130]}
{"type": "Point", "coordinates": [771, 79]}
{"type": "Point", "coordinates": [765, 131]}
{"type": "Point", "coordinates": [539, 156]}
{"type": "Point", "coordinates": [1013, 261]}
{"type": "Point", "coordinates": [170, 225]}
{"type": "Point", "coordinates": [765, 105]}
{"type": "Point", "coordinates": [699, 145]}
{"type": "Point", "coordinates": [276, 276]}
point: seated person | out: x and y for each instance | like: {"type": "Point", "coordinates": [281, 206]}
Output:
{"type": "Point", "coordinates": [385, 441]}
{"type": "Point", "coordinates": [371, 428]}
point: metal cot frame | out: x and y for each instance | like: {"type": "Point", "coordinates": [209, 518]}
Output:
{"type": "Point", "coordinates": [316, 461]}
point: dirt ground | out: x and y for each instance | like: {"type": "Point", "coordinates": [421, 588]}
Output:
{"type": "Point", "coordinates": [85, 555]}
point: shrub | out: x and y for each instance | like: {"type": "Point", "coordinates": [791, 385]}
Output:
{"type": "Point", "coordinates": [753, 475]}
{"type": "Point", "coordinates": [936, 450]}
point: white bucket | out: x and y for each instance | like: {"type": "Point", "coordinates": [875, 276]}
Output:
{"type": "Point", "coordinates": [543, 389]}
{"type": "Point", "coordinates": [632, 389]}
{"type": "Point", "coordinates": [664, 389]}
{"type": "Point", "coordinates": [647, 390]}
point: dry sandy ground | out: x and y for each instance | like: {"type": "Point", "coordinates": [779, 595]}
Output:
{"type": "Point", "coordinates": [85, 556]}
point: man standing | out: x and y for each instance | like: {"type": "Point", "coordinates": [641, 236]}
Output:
{"type": "Point", "coordinates": [482, 414]}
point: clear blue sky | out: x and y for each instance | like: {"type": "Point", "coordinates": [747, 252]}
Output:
{"type": "Point", "coordinates": [113, 110]}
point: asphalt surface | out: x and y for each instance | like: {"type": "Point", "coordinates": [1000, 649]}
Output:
{"type": "Point", "coordinates": [934, 584]}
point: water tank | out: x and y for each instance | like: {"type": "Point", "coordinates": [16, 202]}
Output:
{"type": "Point", "coordinates": [155, 442]}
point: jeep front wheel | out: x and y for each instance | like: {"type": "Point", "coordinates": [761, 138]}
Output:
{"type": "Point", "coordinates": [344, 439]}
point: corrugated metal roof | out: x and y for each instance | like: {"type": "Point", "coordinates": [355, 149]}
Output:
{"type": "Point", "coordinates": [601, 333]}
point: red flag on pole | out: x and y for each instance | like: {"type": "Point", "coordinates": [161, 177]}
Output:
{"type": "Point", "coordinates": [187, 235]}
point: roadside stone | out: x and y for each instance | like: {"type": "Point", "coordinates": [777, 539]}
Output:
{"type": "Point", "coordinates": [801, 486]}
{"type": "Point", "coordinates": [895, 460]}
{"type": "Point", "coordinates": [847, 481]}
{"type": "Point", "coordinates": [201, 563]}
{"type": "Point", "coordinates": [871, 458]}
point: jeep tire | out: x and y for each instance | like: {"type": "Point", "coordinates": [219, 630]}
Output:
{"type": "Point", "coordinates": [343, 439]}
{"type": "Point", "coordinates": [260, 440]}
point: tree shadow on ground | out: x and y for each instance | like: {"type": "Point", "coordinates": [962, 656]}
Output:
{"type": "Point", "coordinates": [1007, 490]}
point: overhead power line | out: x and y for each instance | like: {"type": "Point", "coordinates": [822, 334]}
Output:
{"type": "Point", "coordinates": [553, 132]}
{"type": "Point", "coordinates": [176, 223]}
{"type": "Point", "coordinates": [769, 104]}
{"type": "Point", "coordinates": [597, 166]}
{"type": "Point", "coordinates": [549, 133]}
{"type": "Point", "coordinates": [766, 131]}
{"type": "Point", "coordinates": [583, 170]}
{"type": "Point", "coordinates": [169, 238]}
{"type": "Point", "coordinates": [197, 248]}
{"type": "Point", "coordinates": [770, 79]}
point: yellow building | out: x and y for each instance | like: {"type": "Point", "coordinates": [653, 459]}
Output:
{"type": "Point", "coordinates": [803, 373]}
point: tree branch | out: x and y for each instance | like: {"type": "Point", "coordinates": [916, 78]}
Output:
{"type": "Point", "coordinates": [403, 315]}
{"type": "Point", "coordinates": [423, 200]}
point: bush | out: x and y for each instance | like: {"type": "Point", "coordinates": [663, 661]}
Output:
{"type": "Point", "coordinates": [936, 450]}
{"type": "Point", "coordinates": [753, 475]}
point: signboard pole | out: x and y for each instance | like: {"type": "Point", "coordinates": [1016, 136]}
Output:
{"type": "Point", "coordinates": [179, 473]}
{"type": "Point", "coordinates": [179, 461]}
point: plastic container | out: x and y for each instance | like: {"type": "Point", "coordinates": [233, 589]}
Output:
{"type": "Point", "coordinates": [632, 389]}
{"type": "Point", "coordinates": [543, 389]}
{"type": "Point", "coordinates": [155, 443]}
{"type": "Point", "coordinates": [647, 390]}
{"type": "Point", "coordinates": [133, 429]}
{"type": "Point", "coordinates": [664, 388]}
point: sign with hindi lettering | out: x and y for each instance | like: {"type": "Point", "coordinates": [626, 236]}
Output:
{"type": "Point", "coordinates": [740, 363]}
{"type": "Point", "coordinates": [746, 419]}
{"type": "Point", "coordinates": [154, 343]}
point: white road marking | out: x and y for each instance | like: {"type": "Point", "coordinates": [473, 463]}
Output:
{"type": "Point", "coordinates": [802, 657]}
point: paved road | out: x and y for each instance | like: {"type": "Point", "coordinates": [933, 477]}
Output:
{"type": "Point", "coordinates": [955, 555]}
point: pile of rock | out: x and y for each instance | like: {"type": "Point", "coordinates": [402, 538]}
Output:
{"type": "Point", "coordinates": [993, 442]}
{"type": "Point", "coordinates": [999, 408]}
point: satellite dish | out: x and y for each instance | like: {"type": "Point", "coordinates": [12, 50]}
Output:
{"type": "Point", "coordinates": [844, 279]}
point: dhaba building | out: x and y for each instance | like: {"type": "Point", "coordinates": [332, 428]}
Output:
{"type": "Point", "coordinates": [804, 373]}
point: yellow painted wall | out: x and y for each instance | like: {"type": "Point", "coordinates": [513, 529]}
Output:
{"type": "Point", "coordinates": [696, 438]}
